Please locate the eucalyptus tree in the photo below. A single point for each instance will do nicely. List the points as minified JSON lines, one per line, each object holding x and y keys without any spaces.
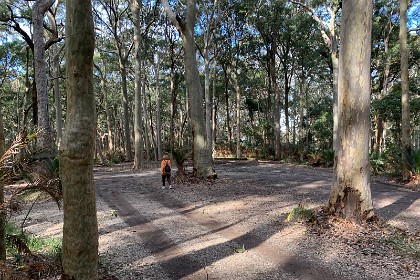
{"x":55,"y":55}
{"x":209,"y":21}
{"x":18,"y":17}
{"x":311,"y":73}
{"x":228,"y":121}
{"x":327,"y":16}
{"x":233,"y":31}
{"x":140,"y":15}
{"x":38,"y":12}
{"x":202,"y":156}
{"x":173,"y":53}
{"x":288,"y":59}
{"x":102,"y":73}
{"x":80,"y":229}
{"x":113,"y":17}
{"x":158,"y":142}
{"x":351,"y":195}
{"x":405,"y":95}
{"x":268,"y":21}
{"x":384,"y":62}
{"x":2,"y":210}
{"x":136,"y":6}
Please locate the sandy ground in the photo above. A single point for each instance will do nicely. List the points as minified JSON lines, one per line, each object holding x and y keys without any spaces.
{"x":234,"y":228}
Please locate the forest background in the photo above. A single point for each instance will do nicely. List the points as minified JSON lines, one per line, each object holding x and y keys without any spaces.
{"x":269,"y":71}
{"x":266,"y":68}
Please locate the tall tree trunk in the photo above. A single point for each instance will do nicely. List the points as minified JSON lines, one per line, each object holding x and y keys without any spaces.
{"x":335,"y":62}
{"x":27,"y":100}
{"x":286,"y":111}
{"x":294,"y":116}
{"x":117,"y":128}
{"x":174,"y":105}
{"x":57,"y":96}
{"x":226,"y":90}
{"x":2,"y":210}
{"x":301,"y":108}
{"x":238,"y":113}
{"x":108,"y":117}
{"x":152,"y":133}
{"x":147,"y":119}
{"x":80,"y":230}
{"x":45,"y":138}
{"x":56,"y":80}
{"x":127,"y":131}
{"x":351,"y":195}
{"x":380,"y":123}
{"x":201,"y":153}
{"x":159,"y":109}
{"x":214,"y":110}
{"x":138,"y":118}
{"x":405,"y":95}
{"x":277,"y":96}
{"x":208,"y":96}
{"x":99,"y":153}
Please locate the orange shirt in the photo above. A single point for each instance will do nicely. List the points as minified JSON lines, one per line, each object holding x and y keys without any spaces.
{"x":163,"y":164}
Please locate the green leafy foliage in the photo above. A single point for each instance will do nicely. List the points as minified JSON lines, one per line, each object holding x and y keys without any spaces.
{"x":390,"y":106}
{"x":415,"y":159}
{"x":180,"y":155}
{"x":377,"y":163}
{"x":387,"y":162}
{"x":20,"y":244}
{"x":300,"y":214}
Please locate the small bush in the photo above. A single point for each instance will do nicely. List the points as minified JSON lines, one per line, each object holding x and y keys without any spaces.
{"x":328,"y":157}
{"x":300,"y":214}
{"x":19,"y":243}
{"x":180,"y":155}
{"x":315,"y":158}
{"x":415,"y":159}
{"x":377,"y":163}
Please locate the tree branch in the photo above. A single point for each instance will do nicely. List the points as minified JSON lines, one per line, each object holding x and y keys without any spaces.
{"x":311,"y":11}
{"x":170,"y":13}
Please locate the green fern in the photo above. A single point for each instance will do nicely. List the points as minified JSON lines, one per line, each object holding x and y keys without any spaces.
{"x":415,"y":158}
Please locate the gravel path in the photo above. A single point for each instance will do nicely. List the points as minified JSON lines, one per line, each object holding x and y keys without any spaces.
{"x":233,"y":228}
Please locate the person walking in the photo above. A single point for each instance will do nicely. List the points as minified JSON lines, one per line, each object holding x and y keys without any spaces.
{"x":165,"y":170}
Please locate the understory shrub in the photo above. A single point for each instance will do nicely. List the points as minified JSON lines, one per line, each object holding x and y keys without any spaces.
{"x":415,"y":159}
{"x":19,"y":243}
{"x":301,"y":214}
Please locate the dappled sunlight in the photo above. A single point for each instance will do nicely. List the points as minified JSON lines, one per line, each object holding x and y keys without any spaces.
{"x":250,"y":203}
{"x":46,"y":229}
{"x":409,"y":217}
{"x":245,"y":264}
{"x":108,"y":219}
{"x":201,"y":243}
{"x":108,"y":241}
{"x":385,"y":201}
{"x":44,"y":219}
{"x":287,"y":239}
{"x":313,"y":185}
{"x":125,"y":174}
{"x":226,"y":207}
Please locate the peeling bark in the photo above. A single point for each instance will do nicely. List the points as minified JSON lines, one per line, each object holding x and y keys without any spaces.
{"x":350,"y":195}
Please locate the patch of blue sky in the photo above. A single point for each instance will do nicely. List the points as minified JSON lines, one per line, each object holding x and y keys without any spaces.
{"x":413,"y":15}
